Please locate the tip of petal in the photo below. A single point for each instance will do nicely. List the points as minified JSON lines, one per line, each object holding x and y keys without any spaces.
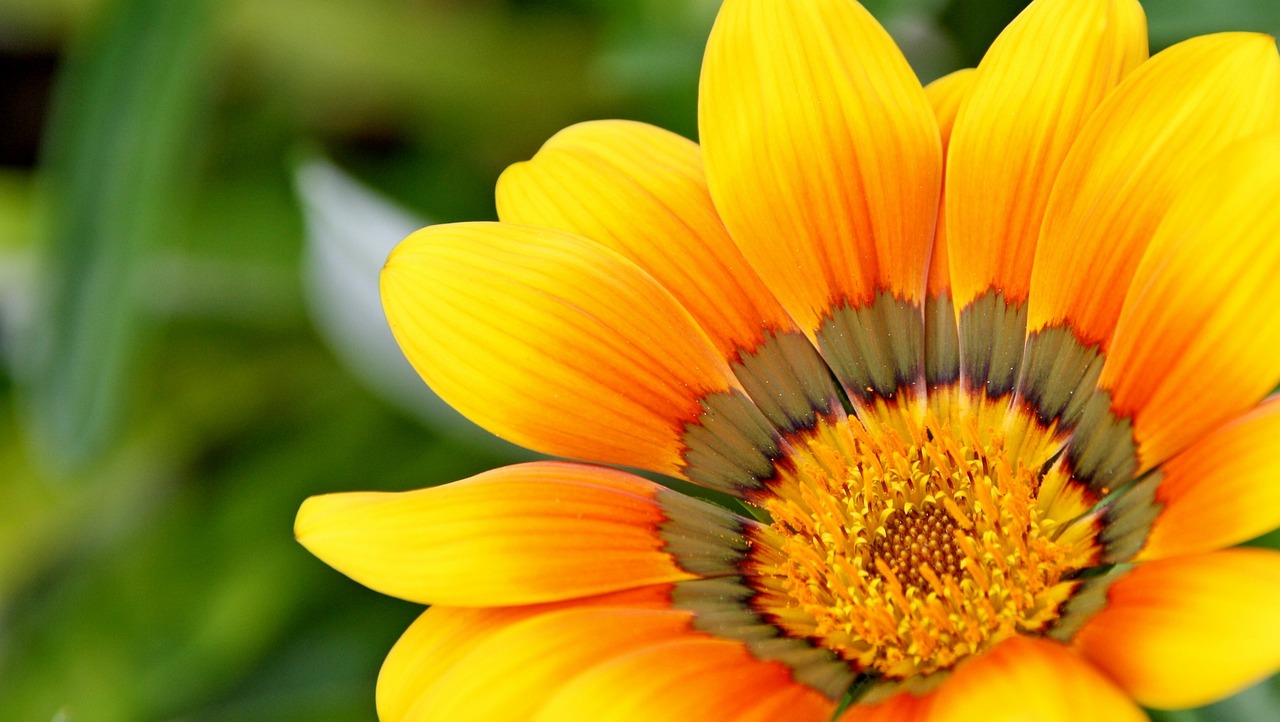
{"x":392,"y":268}
{"x":318,"y":519}
{"x":1250,"y":39}
{"x":1248,"y":48}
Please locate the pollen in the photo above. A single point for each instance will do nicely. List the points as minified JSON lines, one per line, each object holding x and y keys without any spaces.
{"x":905,"y":550}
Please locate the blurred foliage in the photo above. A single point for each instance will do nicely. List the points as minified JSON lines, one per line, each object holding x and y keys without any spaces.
{"x":165,"y":403}
{"x":129,"y":97}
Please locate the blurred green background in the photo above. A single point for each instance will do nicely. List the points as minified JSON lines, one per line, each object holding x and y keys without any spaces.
{"x":190,"y":341}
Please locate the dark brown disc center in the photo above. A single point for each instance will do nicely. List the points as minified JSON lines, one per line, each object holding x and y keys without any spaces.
{"x":925,"y":536}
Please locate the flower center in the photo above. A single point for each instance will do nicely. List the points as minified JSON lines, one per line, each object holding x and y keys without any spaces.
{"x":905,"y":550}
{"x":920,"y":537}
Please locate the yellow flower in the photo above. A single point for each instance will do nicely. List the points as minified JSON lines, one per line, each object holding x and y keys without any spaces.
{"x":983,"y":363}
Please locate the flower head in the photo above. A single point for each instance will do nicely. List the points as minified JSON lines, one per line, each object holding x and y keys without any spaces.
{"x":983,"y":365}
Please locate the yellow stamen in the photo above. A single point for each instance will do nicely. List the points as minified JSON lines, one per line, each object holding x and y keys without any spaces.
{"x":905,"y":550}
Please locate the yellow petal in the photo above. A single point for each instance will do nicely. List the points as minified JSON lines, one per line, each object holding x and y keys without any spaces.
{"x":1024,"y":679}
{"x":941,"y":342}
{"x":1035,"y":88}
{"x":523,"y":534}
{"x":1037,"y":85}
{"x":641,"y":191}
{"x":432,"y":644}
{"x":821,"y":151}
{"x":1222,"y":490}
{"x":690,"y":679}
{"x":945,"y":95}
{"x":513,"y":672}
{"x":1198,"y":340}
{"x":1147,"y":140}
{"x":442,"y":636}
{"x":1184,"y":632}
{"x":551,"y":341}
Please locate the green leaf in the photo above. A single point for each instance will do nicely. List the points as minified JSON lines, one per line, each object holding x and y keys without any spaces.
{"x":118,"y":148}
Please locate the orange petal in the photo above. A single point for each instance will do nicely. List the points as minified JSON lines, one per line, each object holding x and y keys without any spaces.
{"x":641,"y":191}
{"x":529,"y":533}
{"x":430,"y":646}
{"x":821,"y":151}
{"x":1198,"y":340}
{"x":551,"y":341}
{"x":945,"y":95}
{"x":1038,"y":84}
{"x":441,"y":636}
{"x":793,"y":701}
{"x":1222,"y":490}
{"x":513,"y":672}
{"x":941,"y":344}
{"x":1147,"y":141}
{"x":689,"y":679}
{"x":1183,"y":632}
{"x":1024,"y":679}
{"x":902,"y":707}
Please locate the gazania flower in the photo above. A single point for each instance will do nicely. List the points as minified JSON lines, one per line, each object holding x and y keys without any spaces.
{"x":979,"y":368}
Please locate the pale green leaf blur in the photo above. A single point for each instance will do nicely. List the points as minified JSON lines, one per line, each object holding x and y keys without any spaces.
{"x":190,"y":342}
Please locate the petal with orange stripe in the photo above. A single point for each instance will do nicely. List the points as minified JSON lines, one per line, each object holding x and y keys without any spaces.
{"x":1198,"y":339}
{"x":716,"y":679}
{"x":513,"y":672}
{"x":902,"y":707}
{"x":442,"y":636}
{"x":1146,"y":142}
{"x":1039,"y":83}
{"x":1024,"y":678}
{"x":1163,"y":123}
{"x":642,"y":192}
{"x":1183,"y":632}
{"x":785,"y":701}
{"x":557,"y":343}
{"x":941,"y":343}
{"x":1220,"y":491}
{"x":945,"y":96}
{"x":823,"y":159}
{"x":536,"y":532}
{"x":430,"y":646}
